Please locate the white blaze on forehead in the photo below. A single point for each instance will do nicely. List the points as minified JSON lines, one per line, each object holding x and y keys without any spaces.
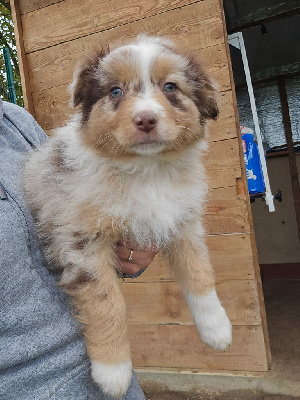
{"x":145,"y":54}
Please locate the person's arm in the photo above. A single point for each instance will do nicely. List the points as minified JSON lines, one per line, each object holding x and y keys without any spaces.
{"x":24,"y":125}
{"x":42,"y":351}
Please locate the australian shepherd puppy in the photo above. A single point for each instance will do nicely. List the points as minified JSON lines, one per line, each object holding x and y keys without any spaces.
{"x":127,"y":168}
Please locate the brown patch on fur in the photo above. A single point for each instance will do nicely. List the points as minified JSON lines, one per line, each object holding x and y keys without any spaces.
{"x":81,"y":279}
{"x":87,"y":90}
{"x":116,"y":128}
{"x":58,"y":160}
{"x":164,"y":66}
{"x":184,"y":128}
{"x":121,"y":69}
{"x":205,"y":93}
{"x":108,"y":228}
{"x":175,"y":101}
{"x":80,"y":245}
{"x":171,"y":67}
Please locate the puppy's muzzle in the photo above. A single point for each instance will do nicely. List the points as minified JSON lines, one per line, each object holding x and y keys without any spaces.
{"x":145,"y":121}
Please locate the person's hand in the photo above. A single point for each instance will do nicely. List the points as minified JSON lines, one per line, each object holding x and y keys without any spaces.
{"x":133,"y":261}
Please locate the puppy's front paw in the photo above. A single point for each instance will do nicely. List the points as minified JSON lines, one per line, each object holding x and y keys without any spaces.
{"x":113,"y":379}
{"x":215,"y":329}
{"x":211,"y":320}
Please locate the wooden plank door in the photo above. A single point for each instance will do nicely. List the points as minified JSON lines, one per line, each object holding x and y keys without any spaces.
{"x":53,"y":35}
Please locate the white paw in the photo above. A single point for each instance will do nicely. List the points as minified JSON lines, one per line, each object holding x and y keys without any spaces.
{"x":113,"y":379}
{"x":216,"y":331}
{"x":211,"y":320}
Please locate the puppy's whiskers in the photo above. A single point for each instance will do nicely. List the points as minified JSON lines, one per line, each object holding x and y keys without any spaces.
{"x":105,"y":140}
{"x":110,"y":137}
{"x":189,"y":129}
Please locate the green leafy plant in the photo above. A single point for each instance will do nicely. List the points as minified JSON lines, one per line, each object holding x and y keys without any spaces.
{"x":7,"y":39}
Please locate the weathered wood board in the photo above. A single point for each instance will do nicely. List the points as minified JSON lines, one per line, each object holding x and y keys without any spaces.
{"x":52,"y":36}
{"x":231,"y":256}
{"x":87,"y":17}
{"x":180,"y":347}
{"x":168,"y":305}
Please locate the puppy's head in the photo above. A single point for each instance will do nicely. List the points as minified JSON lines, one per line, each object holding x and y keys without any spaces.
{"x":142,"y":98}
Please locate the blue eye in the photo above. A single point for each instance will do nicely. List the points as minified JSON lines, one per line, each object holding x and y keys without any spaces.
{"x":170,"y":87}
{"x":116,"y":92}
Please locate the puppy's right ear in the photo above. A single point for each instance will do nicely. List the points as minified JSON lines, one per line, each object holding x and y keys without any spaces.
{"x":86,"y":89}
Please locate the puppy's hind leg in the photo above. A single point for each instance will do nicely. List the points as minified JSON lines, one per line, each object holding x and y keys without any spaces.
{"x":190,"y":260}
{"x":101,"y":310}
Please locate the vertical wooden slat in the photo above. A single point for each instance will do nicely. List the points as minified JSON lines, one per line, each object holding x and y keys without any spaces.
{"x":290,"y":148}
{"x":24,"y":74}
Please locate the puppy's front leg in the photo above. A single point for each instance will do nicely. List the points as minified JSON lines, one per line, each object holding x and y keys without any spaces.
{"x":101,"y":310}
{"x":190,"y":260}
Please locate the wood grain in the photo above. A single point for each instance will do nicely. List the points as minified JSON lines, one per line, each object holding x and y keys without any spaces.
{"x":226,"y":212}
{"x":55,"y":66}
{"x":32,"y":5}
{"x":27,"y":6}
{"x":87,"y":17}
{"x":164,"y":303}
{"x":225,"y":126}
{"x":231,"y":257}
{"x":222,"y":163}
{"x":180,"y":346}
{"x":52,"y":107}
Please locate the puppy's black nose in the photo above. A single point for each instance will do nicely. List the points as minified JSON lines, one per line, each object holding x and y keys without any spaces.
{"x":145,"y":121}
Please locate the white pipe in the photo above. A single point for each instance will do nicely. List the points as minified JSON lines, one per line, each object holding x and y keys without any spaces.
{"x":237,"y":41}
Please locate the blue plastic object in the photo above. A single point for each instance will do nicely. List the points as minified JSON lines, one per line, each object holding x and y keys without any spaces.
{"x":254,"y":172}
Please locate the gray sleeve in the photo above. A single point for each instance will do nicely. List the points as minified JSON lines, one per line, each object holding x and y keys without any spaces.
{"x":23,"y":122}
{"x":42,"y":351}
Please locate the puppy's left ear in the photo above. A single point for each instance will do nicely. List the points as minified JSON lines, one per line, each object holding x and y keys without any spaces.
{"x":205,"y":91}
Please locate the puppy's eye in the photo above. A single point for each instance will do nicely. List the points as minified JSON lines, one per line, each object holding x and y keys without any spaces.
{"x":170,"y":87}
{"x":116,"y":92}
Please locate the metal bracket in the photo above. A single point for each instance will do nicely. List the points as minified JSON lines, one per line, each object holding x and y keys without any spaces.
{"x":236,"y":40}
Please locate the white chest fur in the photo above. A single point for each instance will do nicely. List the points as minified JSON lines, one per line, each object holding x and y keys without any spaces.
{"x":153,"y":198}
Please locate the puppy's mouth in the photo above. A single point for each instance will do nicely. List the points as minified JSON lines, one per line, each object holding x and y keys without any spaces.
{"x":149,"y":142}
{"x":148,"y":146}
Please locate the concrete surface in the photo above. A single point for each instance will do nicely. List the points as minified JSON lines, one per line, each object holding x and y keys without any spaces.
{"x":282,"y":382}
